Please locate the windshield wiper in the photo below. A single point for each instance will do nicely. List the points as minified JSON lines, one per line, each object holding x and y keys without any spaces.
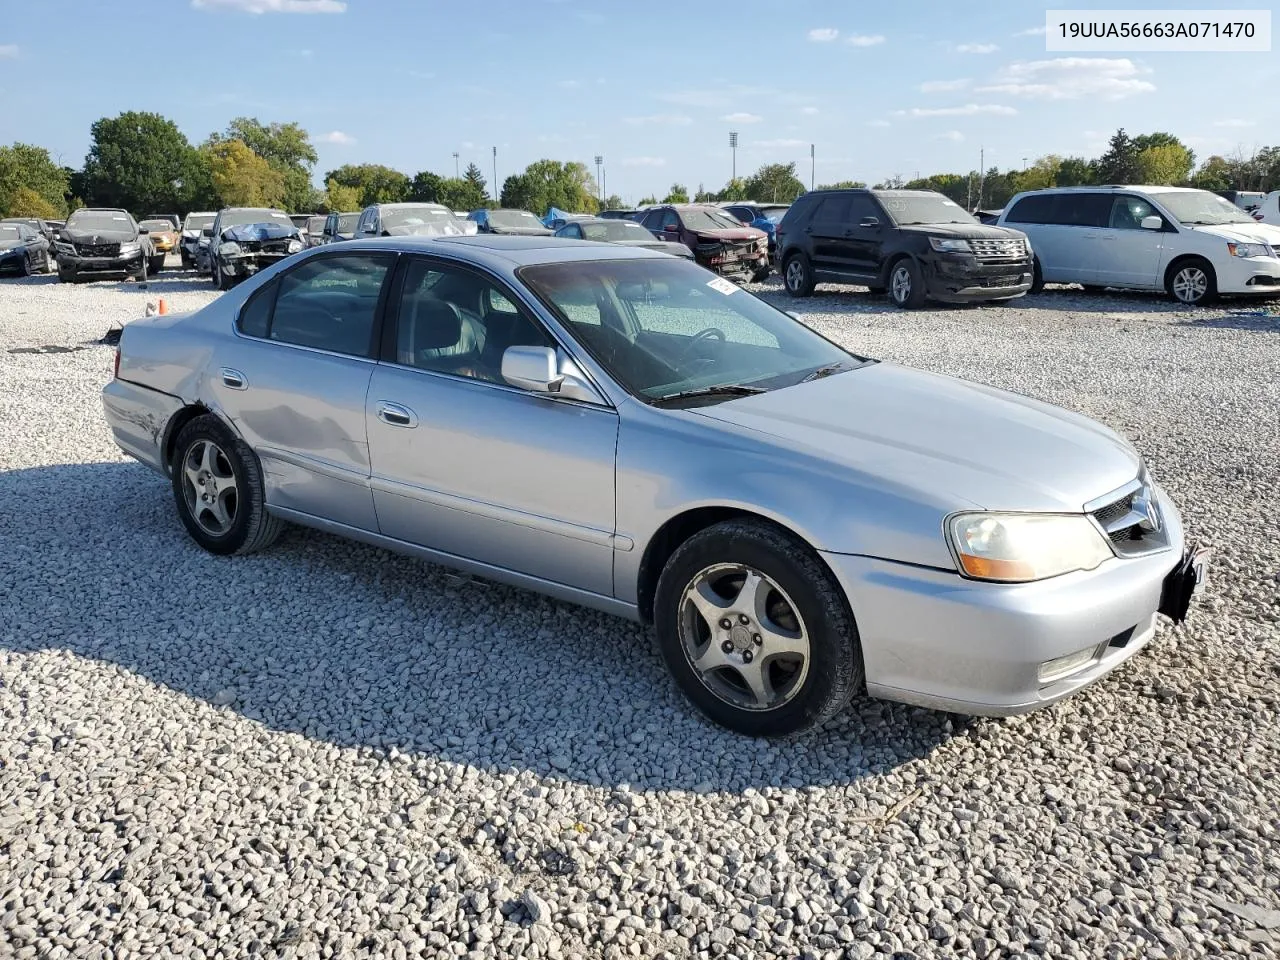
{"x":828,"y":370}
{"x":723,"y":390}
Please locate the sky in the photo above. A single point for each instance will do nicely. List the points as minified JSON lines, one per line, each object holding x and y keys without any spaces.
{"x":653,"y":87}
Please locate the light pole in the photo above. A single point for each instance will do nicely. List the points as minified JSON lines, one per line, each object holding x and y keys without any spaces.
{"x":455,"y":164}
{"x":733,"y":146}
{"x":495,"y":176}
{"x":813,"y":163}
{"x":599,"y":183}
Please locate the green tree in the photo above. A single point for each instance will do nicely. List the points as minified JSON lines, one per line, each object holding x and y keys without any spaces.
{"x":735,"y":189}
{"x":550,"y":183}
{"x":25,"y":202}
{"x":287,"y":147}
{"x":1075,"y":172}
{"x":842,"y":185}
{"x":1120,"y":163}
{"x":703,"y":195}
{"x":425,"y":187}
{"x":648,"y":201}
{"x":1167,"y":164}
{"x":140,"y":161}
{"x":774,"y":182}
{"x":376,"y":183}
{"x":678,"y":193}
{"x":461,"y":194}
{"x":241,"y":178}
{"x":25,"y":167}
{"x":1040,"y":175}
{"x":340,"y":199}
{"x":613,"y":202}
{"x":475,"y":179}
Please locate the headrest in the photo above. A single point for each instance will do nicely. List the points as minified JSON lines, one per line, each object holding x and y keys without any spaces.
{"x":436,"y":324}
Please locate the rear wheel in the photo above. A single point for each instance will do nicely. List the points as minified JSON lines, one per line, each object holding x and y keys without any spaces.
{"x":1037,"y":278}
{"x":156,"y":264}
{"x":906,"y":284}
{"x":756,"y":631}
{"x":797,"y":276}
{"x":1192,"y":281}
{"x":26,"y":268}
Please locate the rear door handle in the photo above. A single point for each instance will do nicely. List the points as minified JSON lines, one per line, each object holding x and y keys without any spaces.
{"x":396,"y":414}
{"x":233,"y":378}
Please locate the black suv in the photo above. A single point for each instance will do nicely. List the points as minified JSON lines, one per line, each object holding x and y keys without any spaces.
{"x":913,"y":244}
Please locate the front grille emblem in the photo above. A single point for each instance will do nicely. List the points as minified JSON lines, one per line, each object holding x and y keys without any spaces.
{"x":1144,"y":505}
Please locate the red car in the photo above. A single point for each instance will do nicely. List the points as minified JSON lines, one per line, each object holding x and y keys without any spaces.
{"x":718,"y":241}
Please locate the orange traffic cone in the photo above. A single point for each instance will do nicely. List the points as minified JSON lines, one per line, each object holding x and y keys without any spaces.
{"x":163,"y":307}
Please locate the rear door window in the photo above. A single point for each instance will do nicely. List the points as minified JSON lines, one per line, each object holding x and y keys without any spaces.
{"x":1036,"y":208}
{"x":832,"y":211}
{"x":1082,"y":209}
{"x":861,"y":207}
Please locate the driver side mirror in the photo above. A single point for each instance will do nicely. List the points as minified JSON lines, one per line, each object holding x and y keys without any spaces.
{"x":869,"y":223}
{"x":1152,"y":223}
{"x":143,"y":231}
{"x":535,"y":369}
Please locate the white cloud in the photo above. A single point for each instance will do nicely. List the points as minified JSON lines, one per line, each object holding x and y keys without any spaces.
{"x":644,"y":162}
{"x":1071,"y":78}
{"x":976,"y":48}
{"x":865,"y":40}
{"x":273,"y":6}
{"x":944,"y":86}
{"x":673,"y":119}
{"x":879,"y":123}
{"x":955,"y":136}
{"x":823,"y":34}
{"x":1234,"y":122}
{"x":337,"y":137}
{"x":741,"y":118}
{"x":1031,"y":32}
{"x":8,"y":51}
{"x":779,"y":144}
{"x":968,"y":110}
{"x":809,"y":111}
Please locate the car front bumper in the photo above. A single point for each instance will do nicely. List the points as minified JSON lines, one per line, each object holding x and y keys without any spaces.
{"x":12,"y":260}
{"x":960,"y":279}
{"x":1249,"y":275}
{"x":938,"y":640}
{"x":246,"y":265}
{"x":104,"y":266}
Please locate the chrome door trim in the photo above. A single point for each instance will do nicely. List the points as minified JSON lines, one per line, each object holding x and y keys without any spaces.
{"x":605,"y":405}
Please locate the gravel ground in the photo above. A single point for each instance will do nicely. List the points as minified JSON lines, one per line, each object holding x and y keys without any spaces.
{"x":328,"y":750}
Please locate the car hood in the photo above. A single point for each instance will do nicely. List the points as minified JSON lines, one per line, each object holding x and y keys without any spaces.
{"x":732,"y":234}
{"x":964,"y":231}
{"x":98,"y":236}
{"x":1244,"y":232}
{"x":662,"y":246}
{"x":958,"y":443}
{"x":258,"y":232}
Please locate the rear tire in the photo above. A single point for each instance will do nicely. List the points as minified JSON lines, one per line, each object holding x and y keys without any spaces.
{"x":25,"y":270}
{"x":1037,"y":278}
{"x":906,"y":284}
{"x":1191,"y":281}
{"x":156,"y":264}
{"x":218,"y":490}
{"x":798,"y":612}
{"x":797,"y":276}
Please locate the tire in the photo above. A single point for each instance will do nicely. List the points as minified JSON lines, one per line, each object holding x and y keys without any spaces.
{"x":1191,"y":281}
{"x":156,"y":264}
{"x":25,"y":270}
{"x":760,"y":276}
{"x":802,"y":690}
{"x":877,"y":291}
{"x":235,"y":520}
{"x":65,"y":275}
{"x":1037,"y":278}
{"x":906,"y":284}
{"x":797,"y":276}
{"x":221,"y":280}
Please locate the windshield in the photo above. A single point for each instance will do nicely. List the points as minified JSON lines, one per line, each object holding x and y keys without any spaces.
{"x":615,"y":231}
{"x":9,"y":232}
{"x":929,"y":208}
{"x":197,"y":221}
{"x":99,"y":220}
{"x":315,"y":224}
{"x":156,"y":226}
{"x":774,"y":213}
{"x":347,"y":222}
{"x":514,"y":218}
{"x":414,"y":216}
{"x":709,"y":220}
{"x":1200,"y":207}
{"x":237,"y":218}
{"x":664,"y":327}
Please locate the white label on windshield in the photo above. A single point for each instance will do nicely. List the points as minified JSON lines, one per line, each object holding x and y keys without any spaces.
{"x":722,"y":285}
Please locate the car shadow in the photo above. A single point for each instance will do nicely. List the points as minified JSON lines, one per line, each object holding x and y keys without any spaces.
{"x":361,"y":647}
{"x":1261,"y":321}
{"x":175,"y":281}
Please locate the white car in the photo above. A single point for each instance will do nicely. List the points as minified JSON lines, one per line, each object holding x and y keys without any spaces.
{"x":1191,"y":243}
{"x":1268,"y":209}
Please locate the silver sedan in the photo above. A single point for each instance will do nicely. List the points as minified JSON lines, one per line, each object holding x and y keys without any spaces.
{"x":622,"y":429}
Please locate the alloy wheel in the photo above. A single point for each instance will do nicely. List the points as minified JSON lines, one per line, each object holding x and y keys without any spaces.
{"x":209,"y":487}
{"x":900,"y":284}
{"x":795,"y":275}
{"x":743,"y":636}
{"x":1190,"y":284}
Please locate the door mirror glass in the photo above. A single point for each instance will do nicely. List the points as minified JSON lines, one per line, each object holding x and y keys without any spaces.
{"x":869,"y":222}
{"x":1152,"y":223}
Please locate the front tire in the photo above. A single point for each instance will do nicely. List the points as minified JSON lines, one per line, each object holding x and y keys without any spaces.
{"x":156,"y":264}
{"x":1192,"y":282}
{"x":755,"y":630}
{"x":218,"y":489}
{"x":65,"y":275}
{"x":797,"y":276}
{"x":1037,"y":277}
{"x":760,"y":276}
{"x":906,"y":284}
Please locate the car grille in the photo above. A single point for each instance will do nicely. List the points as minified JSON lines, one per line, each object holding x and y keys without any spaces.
{"x":998,"y":249}
{"x":98,"y":249}
{"x":1011,"y":280}
{"x":1127,"y":525}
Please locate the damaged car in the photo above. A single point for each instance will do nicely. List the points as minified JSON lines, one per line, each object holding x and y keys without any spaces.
{"x":244,"y":240}
{"x":718,"y":241}
{"x":519,"y":223}
{"x":163,"y":234}
{"x":412,"y":220}
{"x":23,"y":251}
{"x":190,"y":240}
{"x":99,"y":242}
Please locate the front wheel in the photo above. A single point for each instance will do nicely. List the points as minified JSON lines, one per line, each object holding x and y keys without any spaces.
{"x":797,"y":276}
{"x":906,"y":284}
{"x":755,"y":630}
{"x":156,"y":264}
{"x":760,"y":276}
{"x":1192,"y":281}
{"x":65,"y":275}
{"x":218,"y":489}
{"x":1037,"y":278}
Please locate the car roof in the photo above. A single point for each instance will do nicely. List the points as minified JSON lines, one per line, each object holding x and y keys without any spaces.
{"x":410,"y":203}
{"x":497,"y":251}
{"x":1139,"y":187}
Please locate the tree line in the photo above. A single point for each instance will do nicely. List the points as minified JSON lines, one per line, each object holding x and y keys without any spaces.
{"x":144,"y":163}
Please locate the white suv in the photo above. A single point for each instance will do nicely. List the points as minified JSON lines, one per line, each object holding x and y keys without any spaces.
{"x":1191,"y":243}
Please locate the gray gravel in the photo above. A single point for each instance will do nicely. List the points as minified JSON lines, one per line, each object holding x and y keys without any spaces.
{"x":328,"y":750}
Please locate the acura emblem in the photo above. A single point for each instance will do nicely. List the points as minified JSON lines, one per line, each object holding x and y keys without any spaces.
{"x":1144,"y":505}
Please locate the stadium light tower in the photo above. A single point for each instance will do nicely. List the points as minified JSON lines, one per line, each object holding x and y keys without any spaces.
{"x":599,"y":184}
{"x":733,"y":146}
{"x":455,"y":164}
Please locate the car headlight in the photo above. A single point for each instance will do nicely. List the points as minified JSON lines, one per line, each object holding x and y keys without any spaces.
{"x":64,"y":247}
{"x":950,"y":246}
{"x":294,"y":246}
{"x":130,"y":249}
{"x":229,"y":249}
{"x":1019,"y":547}
{"x":1249,"y":250}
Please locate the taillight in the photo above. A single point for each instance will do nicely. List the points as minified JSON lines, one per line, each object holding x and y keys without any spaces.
{"x":115,"y":371}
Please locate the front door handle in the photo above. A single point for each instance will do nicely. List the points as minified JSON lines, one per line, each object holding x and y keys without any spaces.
{"x":396,"y":414}
{"x":233,"y":378}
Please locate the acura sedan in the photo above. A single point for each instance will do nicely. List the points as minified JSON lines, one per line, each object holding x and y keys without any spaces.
{"x":625,"y":430}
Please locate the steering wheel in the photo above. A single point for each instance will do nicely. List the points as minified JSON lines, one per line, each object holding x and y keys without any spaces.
{"x":710,"y":333}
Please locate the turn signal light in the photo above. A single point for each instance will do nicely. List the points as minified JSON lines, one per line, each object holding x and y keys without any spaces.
{"x":115,"y":370}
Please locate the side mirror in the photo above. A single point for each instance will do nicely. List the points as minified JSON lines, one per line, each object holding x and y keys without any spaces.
{"x":535,"y":369}
{"x":869,"y":223}
{"x":206,"y":232}
{"x":143,"y":231}
{"x":1152,"y":223}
